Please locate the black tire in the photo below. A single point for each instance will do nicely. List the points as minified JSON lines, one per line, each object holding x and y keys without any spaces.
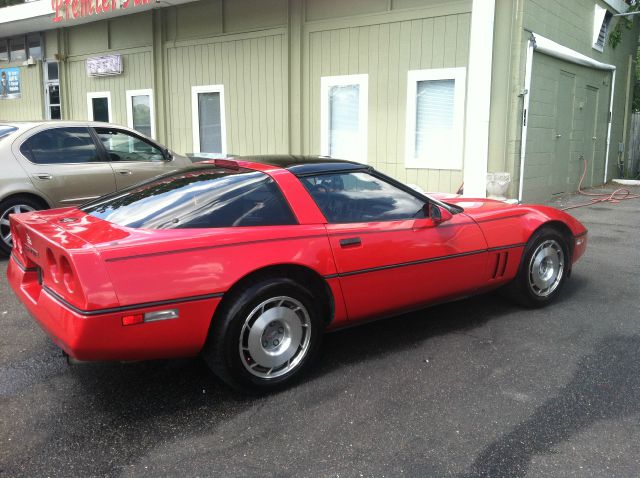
{"x":543,"y":270}
{"x":262,"y":317}
{"x":7,"y":207}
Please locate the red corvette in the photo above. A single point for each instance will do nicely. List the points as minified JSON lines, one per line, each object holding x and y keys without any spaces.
{"x":249,"y":261}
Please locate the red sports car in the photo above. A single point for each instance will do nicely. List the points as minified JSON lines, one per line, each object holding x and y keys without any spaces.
{"x":248,"y":261}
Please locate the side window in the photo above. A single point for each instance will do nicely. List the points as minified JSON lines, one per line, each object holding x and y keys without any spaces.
{"x":256,"y":201}
{"x":435,"y":118}
{"x":99,"y":106}
{"x":60,"y":145}
{"x":140,"y":114}
{"x":123,"y":146}
{"x":343,"y":116}
{"x":205,"y":198}
{"x":208,"y":119}
{"x":361,"y":197}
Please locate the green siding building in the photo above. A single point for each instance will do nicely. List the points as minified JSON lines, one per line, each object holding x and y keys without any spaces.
{"x":435,"y":93}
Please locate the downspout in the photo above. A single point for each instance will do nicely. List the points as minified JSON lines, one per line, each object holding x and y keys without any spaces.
{"x":525,"y":111}
{"x":476,"y":127}
{"x":606,"y":154}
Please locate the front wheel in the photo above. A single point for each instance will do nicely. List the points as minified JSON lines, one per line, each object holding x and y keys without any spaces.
{"x":264,"y":336}
{"x":543,"y":269}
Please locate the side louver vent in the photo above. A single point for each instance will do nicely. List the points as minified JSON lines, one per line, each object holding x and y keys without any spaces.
{"x":499,"y":264}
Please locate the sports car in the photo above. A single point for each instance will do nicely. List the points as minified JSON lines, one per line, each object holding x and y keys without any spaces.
{"x":248,"y":261}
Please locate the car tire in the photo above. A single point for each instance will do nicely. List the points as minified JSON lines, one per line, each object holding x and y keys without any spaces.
{"x":10,"y":206}
{"x":543,"y":269}
{"x":265,"y":336}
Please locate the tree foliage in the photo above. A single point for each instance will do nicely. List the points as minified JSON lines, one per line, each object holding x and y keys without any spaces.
{"x":625,"y":23}
{"x":8,"y":3}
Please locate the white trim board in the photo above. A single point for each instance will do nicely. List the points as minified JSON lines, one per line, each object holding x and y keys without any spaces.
{"x":476,"y":127}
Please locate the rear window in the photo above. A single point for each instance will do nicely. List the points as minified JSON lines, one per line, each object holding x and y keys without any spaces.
{"x":61,"y":146}
{"x":6,"y":130}
{"x":206,"y":197}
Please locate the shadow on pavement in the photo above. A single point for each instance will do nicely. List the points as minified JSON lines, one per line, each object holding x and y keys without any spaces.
{"x":606,"y":386}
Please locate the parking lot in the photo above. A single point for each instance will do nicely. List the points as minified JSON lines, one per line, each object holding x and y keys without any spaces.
{"x":479,"y":387}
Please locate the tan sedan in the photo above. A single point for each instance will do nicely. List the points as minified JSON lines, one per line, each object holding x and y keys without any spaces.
{"x":49,"y":164}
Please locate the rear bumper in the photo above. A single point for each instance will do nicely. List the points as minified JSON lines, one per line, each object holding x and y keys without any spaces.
{"x":97,"y":335}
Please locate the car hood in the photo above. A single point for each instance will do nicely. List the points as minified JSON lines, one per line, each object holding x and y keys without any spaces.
{"x":479,"y":207}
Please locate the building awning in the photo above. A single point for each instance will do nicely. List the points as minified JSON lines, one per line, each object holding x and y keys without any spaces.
{"x":41,"y":15}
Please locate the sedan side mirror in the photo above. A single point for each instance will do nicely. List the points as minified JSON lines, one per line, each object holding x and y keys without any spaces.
{"x":167,"y":154}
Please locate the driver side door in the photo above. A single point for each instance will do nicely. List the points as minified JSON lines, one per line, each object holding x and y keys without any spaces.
{"x":390,"y":255}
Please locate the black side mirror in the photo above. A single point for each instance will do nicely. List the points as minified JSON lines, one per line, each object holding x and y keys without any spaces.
{"x":167,"y":155}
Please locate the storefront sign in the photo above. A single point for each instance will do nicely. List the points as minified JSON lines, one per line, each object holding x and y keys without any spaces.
{"x":72,"y":9}
{"x":104,"y":65}
{"x":9,"y":83}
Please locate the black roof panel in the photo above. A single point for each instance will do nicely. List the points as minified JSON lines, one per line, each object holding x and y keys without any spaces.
{"x":303,"y":165}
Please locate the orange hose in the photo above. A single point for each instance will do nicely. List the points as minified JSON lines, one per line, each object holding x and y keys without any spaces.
{"x":620,"y":194}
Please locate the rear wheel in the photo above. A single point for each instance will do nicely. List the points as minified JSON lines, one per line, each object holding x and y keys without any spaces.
{"x":265,"y":335}
{"x":15,"y":205}
{"x":543,"y":269}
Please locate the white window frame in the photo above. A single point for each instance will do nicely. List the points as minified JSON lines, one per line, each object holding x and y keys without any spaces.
{"x":98,"y":94}
{"x":326,"y":82}
{"x":144,"y":92}
{"x":600,"y":21}
{"x":454,"y":159}
{"x":195,"y":119}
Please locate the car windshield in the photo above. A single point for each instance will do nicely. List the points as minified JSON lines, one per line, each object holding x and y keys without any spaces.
{"x":201,"y":197}
{"x":6,"y":130}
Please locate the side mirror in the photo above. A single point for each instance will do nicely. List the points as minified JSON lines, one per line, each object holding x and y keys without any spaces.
{"x":438,"y":214}
{"x":168,"y":155}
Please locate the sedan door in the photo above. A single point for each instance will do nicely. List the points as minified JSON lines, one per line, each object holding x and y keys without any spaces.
{"x":134,"y":158}
{"x":64,"y":164}
{"x":389,"y":254}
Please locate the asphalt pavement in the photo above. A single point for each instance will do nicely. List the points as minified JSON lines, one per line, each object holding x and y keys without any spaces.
{"x":479,"y":387}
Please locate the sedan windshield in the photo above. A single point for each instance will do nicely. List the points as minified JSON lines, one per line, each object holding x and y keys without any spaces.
{"x":200,"y":197}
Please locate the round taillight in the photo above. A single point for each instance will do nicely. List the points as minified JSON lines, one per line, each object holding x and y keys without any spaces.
{"x":53,"y":266}
{"x":68,"y":279}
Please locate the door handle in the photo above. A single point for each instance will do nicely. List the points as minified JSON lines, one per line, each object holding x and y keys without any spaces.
{"x":558,"y":136}
{"x":43,"y":176}
{"x":350,"y":242}
{"x":124,"y":172}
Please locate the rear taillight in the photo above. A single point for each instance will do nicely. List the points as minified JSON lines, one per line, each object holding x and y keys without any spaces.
{"x":68,"y":277}
{"x":52,"y":265}
{"x":61,"y":272}
{"x":17,"y":243}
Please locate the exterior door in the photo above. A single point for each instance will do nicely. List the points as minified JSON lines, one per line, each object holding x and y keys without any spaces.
{"x":52,"y":90}
{"x":65,"y":165}
{"x":389,"y":256}
{"x":133,"y":158}
{"x":387,"y":266}
{"x":565,"y":95}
